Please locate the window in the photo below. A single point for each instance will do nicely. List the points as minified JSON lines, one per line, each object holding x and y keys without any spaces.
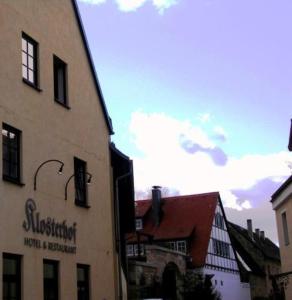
{"x":171,"y":245}
{"x":50,"y":280}
{"x":139,"y":224}
{"x":11,"y":153}
{"x":136,"y":249}
{"x":83,"y":282}
{"x":221,"y":248}
{"x":29,"y":60}
{"x":130,"y":250}
{"x":80,"y":182}
{"x":181,"y":246}
{"x":219,"y":221}
{"x":11,"y":277}
{"x":285,"y":228}
{"x":60,"y":81}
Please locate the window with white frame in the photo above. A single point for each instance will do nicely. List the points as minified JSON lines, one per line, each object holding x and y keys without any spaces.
{"x":181,"y":246}
{"x":139,"y":224}
{"x":136,"y":249}
{"x":171,"y":245}
{"x":29,"y":60}
{"x":130,"y":250}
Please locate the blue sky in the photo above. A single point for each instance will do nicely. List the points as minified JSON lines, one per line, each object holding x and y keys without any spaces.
{"x":200,"y":89}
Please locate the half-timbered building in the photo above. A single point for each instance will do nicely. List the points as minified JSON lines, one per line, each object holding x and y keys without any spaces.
{"x":195,"y":226}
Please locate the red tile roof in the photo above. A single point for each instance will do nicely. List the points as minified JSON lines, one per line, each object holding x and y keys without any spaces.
{"x":183,"y":217}
{"x":141,"y":207}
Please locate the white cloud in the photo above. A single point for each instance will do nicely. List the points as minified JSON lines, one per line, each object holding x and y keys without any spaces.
{"x":161,"y":5}
{"x":163,"y":161}
{"x":130,"y":5}
{"x":133,"y":5}
{"x":93,"y":2}
{"x":220,"y":133}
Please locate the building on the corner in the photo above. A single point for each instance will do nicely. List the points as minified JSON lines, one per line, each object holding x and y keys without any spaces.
{"x":57,"y":232}
{"x":259,"y":259}
{"x":194,"y":226}
{"x":282,"y":205}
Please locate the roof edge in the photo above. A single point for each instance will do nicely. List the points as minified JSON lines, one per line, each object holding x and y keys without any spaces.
{"x":184,"y":196}
{"x":92,"y":68}
{"x":281,"y":188}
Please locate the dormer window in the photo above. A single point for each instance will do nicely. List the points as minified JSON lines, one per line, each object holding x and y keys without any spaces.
{"x":139,"y":224}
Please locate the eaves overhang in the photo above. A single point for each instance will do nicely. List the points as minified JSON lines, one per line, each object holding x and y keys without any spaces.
{"x":282,"y":193}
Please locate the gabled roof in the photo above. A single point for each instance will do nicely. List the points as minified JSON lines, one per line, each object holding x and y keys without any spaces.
{"x":183,"y":217}
{"x":92,"y":68}
{"x":142,"y":207}
{"x":254,"y":251}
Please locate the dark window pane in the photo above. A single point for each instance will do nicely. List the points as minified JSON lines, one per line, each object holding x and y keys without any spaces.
{"x":11,"y":288}
{"x":11,"y":152}
{"x":83,"y":282}
{"x":80,"y":181}
{"x":60,"y":81}
{"x":50,"y":280}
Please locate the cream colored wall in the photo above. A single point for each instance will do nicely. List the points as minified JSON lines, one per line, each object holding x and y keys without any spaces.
{"x":285,"y":250}
{"x":50,"y":131}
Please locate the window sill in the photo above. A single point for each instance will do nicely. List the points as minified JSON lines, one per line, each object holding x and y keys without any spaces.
{"x":80,"y":204}
{"x":62,"y":104}
{"x":32,"y":85}
{"x":12,"y":180}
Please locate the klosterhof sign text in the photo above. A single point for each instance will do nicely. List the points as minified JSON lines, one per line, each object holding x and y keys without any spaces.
{"x":50,"y":228}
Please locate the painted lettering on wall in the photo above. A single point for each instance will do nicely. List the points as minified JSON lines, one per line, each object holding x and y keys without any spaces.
{"x":38,"y":244}
{"x":48,"y":227}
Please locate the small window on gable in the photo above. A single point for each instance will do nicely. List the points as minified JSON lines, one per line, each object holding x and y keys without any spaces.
{"x":29,"y":49}
{"x":139,"y":224}
{"x":60,"y":81}
{"x":219,"y":221}
{"x":285,"y":228}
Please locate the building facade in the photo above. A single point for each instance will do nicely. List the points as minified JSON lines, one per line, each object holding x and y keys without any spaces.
{"x":282,"y":205}
{"x":194,"y":226}
{"x":259,"y":260}
{"x":57,"y":232}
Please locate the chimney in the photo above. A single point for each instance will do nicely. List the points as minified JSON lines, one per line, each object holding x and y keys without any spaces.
{"x":262,"y":235}
{"x":257,"y":231}
{"x":290,"y":138}
{"x":156,"y":204}
{"x":249,"y":228}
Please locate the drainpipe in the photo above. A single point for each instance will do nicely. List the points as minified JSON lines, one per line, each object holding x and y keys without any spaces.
{"x":118,"y":233}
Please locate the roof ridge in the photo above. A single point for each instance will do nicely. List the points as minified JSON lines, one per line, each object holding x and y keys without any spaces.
{"x":183,"y":196}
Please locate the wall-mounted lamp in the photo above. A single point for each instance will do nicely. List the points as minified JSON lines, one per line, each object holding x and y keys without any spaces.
{"x":88,"y":181}
{"x":47,"y":161}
